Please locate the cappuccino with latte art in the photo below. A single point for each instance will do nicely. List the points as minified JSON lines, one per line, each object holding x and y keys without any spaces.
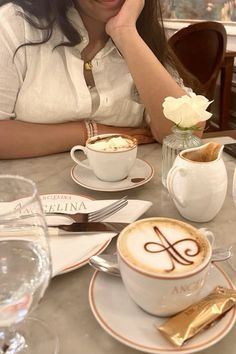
{"x":163,"y":247}
{"x":163,"y":264}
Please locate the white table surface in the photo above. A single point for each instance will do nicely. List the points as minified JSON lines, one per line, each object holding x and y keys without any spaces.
{"x":65,"y":306}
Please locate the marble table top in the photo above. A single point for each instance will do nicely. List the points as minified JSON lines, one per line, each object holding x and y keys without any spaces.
{"x":65,"y":306}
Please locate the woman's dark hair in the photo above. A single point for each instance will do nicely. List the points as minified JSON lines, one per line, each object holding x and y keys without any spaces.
{"x":44,"y":14}
{"x":151,"y":29}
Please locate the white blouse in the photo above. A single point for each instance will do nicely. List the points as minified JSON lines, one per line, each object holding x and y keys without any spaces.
{"x":44,"y":84}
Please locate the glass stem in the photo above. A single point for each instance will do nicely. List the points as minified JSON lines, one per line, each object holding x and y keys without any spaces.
{"x":11,"y":342}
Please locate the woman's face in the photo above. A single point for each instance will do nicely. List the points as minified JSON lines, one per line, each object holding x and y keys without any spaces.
{"x":99,"y":10}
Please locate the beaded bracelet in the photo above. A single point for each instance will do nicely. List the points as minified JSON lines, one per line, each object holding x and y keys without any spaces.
{"x":92,"y":128}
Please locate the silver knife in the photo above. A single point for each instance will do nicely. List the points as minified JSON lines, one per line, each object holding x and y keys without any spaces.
{"x":81,"y":227}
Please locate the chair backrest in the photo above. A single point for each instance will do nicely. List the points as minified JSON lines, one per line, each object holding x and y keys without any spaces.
{"x":201,"y":48}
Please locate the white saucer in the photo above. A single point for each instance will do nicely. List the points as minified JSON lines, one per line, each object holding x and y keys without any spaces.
{"x":125,"y":321}
{"x":142,"y":171}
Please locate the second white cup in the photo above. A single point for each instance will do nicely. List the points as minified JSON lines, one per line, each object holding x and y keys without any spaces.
{"x":110,"y":156}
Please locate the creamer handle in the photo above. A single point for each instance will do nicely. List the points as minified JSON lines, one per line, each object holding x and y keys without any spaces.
{"x":170,"y":177}
{"x":72,"y":154}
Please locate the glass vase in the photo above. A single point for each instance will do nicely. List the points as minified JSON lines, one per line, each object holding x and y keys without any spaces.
{"x":173,"y":144}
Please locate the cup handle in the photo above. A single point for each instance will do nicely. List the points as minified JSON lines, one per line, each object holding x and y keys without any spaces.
{"x":209,"y":235}
{"x":79,"y":162}
{"x":169,"y":182}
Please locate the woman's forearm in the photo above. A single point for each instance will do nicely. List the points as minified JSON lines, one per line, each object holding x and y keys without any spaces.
{"x":20,"y":139}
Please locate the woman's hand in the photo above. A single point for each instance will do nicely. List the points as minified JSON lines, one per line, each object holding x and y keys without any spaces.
{"x":143,"y":135}
{"x":126,"y":18}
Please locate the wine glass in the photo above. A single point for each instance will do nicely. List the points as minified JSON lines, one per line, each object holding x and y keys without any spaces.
{"x":25,"y":268}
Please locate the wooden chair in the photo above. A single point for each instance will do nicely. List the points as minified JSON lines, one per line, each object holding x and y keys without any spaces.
{"x":201,"y":49}
{"x":227,"y":69}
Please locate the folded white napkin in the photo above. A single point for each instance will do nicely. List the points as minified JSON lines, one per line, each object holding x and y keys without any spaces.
{"x":71,"y":252}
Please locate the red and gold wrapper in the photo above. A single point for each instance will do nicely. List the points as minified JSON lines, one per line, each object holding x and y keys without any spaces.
{"x":198,"y":316}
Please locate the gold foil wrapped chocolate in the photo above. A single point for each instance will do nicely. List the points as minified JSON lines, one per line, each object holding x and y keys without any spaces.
{"x":198,"y":316}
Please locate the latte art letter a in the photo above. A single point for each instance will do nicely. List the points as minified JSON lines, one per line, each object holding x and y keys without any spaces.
{"x":173,"y":254}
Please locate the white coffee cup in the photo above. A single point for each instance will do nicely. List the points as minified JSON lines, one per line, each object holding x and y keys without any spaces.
{"x":163,"y":264}
{"x":110,"y":156}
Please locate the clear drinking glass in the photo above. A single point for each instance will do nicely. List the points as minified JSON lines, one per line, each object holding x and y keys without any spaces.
{"x":25,"y":268}
{"x":232,"y":259}
{"x":173,"y":144}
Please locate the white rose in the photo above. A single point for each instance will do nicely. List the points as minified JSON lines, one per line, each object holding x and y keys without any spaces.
{"x":186,"y":111}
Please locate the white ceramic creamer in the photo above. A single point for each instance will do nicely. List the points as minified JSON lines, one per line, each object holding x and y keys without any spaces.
{"x":197,"y":182}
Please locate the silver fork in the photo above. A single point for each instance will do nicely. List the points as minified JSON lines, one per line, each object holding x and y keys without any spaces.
{"x":97,"y":215}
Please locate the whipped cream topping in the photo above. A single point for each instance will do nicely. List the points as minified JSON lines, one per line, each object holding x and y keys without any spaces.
{"x":113,"y":144}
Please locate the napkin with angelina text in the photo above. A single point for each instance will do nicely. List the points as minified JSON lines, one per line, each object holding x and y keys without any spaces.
{"x":71,"y":252}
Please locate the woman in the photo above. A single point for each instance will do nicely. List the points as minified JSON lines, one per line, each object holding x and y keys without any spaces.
{"x":70,"y":69}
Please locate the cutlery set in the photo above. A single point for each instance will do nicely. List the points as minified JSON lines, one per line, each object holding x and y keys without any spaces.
{"x":89,"y":222}
{"x":81,"y":227}
{"x":97,"y":215}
